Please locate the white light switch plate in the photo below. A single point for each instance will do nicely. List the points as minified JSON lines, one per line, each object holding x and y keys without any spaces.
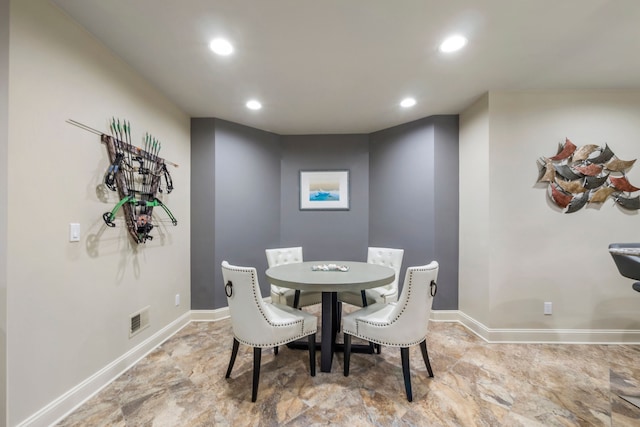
{"x":74,"y":232}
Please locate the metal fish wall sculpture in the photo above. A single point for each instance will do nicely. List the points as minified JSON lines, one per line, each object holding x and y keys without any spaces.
{"x":588,"y":174}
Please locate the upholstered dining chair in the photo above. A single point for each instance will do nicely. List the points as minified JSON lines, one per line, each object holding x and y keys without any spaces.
{"x":261,"y":325}
{"x":388,"y":257}
{"x":400,"y":324}
{"x":294,"y":298}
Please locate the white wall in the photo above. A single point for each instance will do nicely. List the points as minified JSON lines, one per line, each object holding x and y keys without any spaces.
{"x":4,"y":134}
{"x":474,"y":240}
{"x":534,"y":252}
{"x":69,"y":303}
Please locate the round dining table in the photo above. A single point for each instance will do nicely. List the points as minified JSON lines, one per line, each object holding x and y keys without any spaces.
{"x":330,"y":277}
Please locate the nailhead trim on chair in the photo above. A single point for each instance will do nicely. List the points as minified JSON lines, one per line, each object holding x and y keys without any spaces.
{"x":271,"y":344}
{"x":404,"y":307}
{"x":255,"y":296}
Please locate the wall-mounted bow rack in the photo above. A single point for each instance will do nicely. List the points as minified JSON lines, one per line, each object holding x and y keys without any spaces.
{"x":138,"y":175}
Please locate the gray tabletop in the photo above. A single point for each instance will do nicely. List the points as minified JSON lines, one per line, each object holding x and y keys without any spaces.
{"x":360,"y":275}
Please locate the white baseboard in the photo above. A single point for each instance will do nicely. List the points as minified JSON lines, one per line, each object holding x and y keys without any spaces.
{"x":210,"y":315}
{"x":72,"y":399}
{"x":69,"y":401}
{"x":539,"y":336}
{"x":445,"y":315}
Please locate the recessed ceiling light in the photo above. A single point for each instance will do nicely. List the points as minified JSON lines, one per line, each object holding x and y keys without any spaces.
{"x":407,"y":102}
{"x":254,"y":105}
{"x":221,"y":47}
{"x":453,"y":43}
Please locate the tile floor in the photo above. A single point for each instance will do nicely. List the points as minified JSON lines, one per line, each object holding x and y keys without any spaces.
{"x":182,"y":383}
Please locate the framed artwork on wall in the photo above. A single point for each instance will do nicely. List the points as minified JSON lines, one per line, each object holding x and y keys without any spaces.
{"x":324,"y":190}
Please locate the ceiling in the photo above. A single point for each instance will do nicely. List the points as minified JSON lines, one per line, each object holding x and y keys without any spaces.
{"x":342,"y":66}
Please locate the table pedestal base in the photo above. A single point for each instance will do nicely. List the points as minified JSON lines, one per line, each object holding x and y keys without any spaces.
{"x":329,"y":331}
{"x":337,"y":347}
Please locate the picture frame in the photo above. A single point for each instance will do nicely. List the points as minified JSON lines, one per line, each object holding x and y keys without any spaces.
{"x":324,"y":190}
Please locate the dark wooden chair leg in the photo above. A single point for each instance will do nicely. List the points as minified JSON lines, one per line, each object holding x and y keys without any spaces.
{"x":363,"y":294}
{"x":234,"y":353}
{"x":425,"y":356}
{"x":406,"y":372}
{"x":312,"y":354}
{"x":257,"y":354}
{"x":275,"y":350}
{"x":347,"y":353}
{"x":296,"y":299}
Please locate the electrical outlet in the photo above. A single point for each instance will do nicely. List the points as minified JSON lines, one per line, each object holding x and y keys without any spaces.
{"x":177,"y":300}
{"x":548,"y":308}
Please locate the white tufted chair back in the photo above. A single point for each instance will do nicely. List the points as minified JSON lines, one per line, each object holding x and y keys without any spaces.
{"x":281,"y":256}
{"x":400,"y":324}
{"x":259,"y":324}
{"x":286,"y":296}
{"x":413,"y":309}
{"x":254,"y":322}
{"x":388,"y":257}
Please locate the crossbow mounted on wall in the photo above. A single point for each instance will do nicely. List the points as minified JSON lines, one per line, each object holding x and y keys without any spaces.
{"x":138,"y":174}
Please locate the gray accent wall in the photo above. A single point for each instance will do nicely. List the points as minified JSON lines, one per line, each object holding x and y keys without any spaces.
{"x":203,"y":180}
{"x":446,"y":220}
{"x":414,"y":197}
{"x":245,"y":198}
{"x":242,"y":171}
{"x":325,"y":235}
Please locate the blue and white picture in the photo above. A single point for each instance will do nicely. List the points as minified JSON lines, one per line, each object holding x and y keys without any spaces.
{"x":324,"y":191}
{"x":320,"y":190}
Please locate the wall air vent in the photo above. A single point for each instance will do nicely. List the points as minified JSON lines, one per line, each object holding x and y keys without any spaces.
{"x":138,"y":322}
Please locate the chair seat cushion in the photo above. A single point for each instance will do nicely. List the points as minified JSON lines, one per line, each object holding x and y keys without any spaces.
{"x":375,"y":323}
{"x":375,"y":313}
{"x":375,"y":295}
{"x":283,"y":315}
{"x":285,"y":324}
{"x":286,"y":296}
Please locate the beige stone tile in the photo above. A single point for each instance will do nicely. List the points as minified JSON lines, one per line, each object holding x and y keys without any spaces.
{"x":182,"y":383}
